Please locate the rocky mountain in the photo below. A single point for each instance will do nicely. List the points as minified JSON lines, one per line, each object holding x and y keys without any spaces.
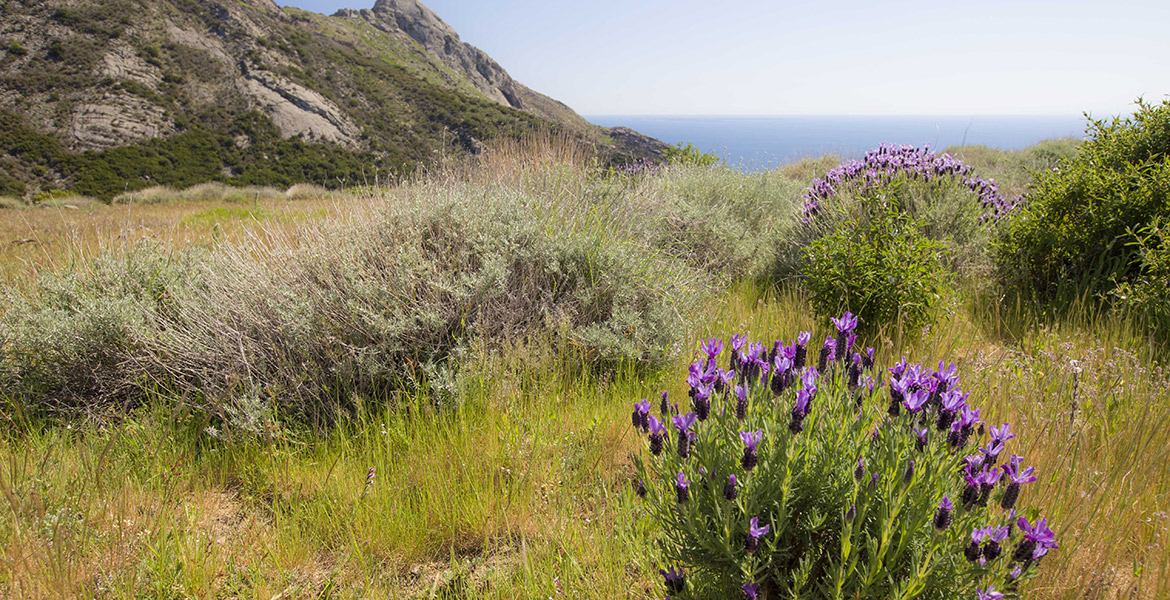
{"x":103,"y":96}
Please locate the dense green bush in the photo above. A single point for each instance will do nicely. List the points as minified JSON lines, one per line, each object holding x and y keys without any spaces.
{"x":878,"y":264}
{"x":1074,"y":235}
{"x":688,"y":154}
{"x":1148,"y":294}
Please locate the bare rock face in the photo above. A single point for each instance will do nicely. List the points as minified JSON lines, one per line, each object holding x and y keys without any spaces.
{"x":297,"y":110}
{"x":441,"y":41}
{"x":114,"y":120}
{"x":122,"y":63}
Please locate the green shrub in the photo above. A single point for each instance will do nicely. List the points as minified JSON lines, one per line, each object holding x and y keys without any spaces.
{"x":818,"y":482}
{"x":688,"y":154}
{"x":1148,"y":294}
{"x":1073,"y":235}
{"x":879,"y":265}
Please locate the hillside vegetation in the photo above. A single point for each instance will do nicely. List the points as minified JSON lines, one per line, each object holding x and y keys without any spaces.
{"x":102,"y":98}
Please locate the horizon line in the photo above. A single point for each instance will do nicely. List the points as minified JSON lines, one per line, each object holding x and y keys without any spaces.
{"x":776,"y":115}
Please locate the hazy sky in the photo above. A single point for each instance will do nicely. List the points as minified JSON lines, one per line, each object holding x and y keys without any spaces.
{"x":775,"y":57}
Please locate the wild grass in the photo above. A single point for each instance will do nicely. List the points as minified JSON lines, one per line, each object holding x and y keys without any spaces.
{"x":65,"y":235}
{"x":508,"y":477}
{"x":524,"y":485}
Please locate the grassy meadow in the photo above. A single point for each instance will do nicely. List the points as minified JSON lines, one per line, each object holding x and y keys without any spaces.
{"x":424,"y":391}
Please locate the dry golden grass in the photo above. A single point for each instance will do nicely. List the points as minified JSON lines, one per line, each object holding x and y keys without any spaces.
{"x":45,"y":239}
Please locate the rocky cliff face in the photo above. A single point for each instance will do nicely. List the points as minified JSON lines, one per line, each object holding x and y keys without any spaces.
{"x":394,"y":82}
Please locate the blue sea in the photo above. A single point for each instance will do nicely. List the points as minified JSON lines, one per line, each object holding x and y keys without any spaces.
{"x":762,"y":142}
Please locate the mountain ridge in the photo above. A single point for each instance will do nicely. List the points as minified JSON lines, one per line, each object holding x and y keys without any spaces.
{"x":105,"y":96}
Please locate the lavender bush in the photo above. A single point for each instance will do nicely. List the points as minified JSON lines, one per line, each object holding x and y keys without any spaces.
{"x":887,"y":163}
{"x":803,"y":471}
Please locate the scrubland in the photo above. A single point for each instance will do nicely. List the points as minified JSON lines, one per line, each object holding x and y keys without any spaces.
{"x":424,"y":391}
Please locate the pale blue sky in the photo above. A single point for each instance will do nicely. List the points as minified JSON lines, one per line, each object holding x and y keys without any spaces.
{"x":790,"y":57}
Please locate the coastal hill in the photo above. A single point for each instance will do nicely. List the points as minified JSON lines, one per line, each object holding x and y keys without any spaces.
{"x":104,"y":96}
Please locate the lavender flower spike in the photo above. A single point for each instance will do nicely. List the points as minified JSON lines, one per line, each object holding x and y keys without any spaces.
{"x":751,"y":591}
{"x":711,"y":347}
{"x":1002,"y":433}
{"x":1038,"y":540}
{"x":741,"y":402}
{"x":750,"y":440}
{"x":675,"y":580}
{"x":731,"y":490}
{"x":801,"y":354}
{"x":990,"y":594}
{"x":681,"y":486}
{"x":683,"y":423}
{"x":755,"y":532}
{"x":846,"y":323}
{"x":657,"y":436}
{"x":942,"y":518}
{"x":916,"y":400}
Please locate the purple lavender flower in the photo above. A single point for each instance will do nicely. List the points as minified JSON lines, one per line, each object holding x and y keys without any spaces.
{"x":987,"y":480}
{"x":723,"y":382}
{"x":973,"y":551}
{"x":751,"y":591}
{"x":731,"y":490}
{"x":942,"y":518}
{"x":899,"y":387}
{"x":781,"y":374}
{"x":755,"y":532}
{"x":808,"y":379}
{"x":915,"y":400}
{"x":990,"y":594}
{"x":991,"y":453}
{"x":855,"y":369}
{"x":801,"y":355}
{"x":1002,"y":434}
{"x":963,"y":427}
{"x":681,"y":486}
{"x":701,"y":401}
{"x":682,"y":424}
{"x":664,"y":406}
{"x":737,"y":342}
{"x":741,"y":402}
{"x":859,"y":471}
{"x":887,"y":163}
{"x":675,"y":580}
{"x":1016,"y":477}
{"x":951,"y":403}
{"x":799,"y":411}
{"x":845,"y":325}
{"x":909,"y":476}
{"x":657,"y":436}
{"x":898,"y":369}
{"x":920,"y":441}
{"x":867,"y":360}
{"x":639,"y":488}
{"x":641,"y":415}
{"x":971,"y":490}
{"x":828,"y":354}
{"x":1038,"y":540}
{"x":711,"y":347}
{"x":750,"y":440}
{"x":995,"y":538}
